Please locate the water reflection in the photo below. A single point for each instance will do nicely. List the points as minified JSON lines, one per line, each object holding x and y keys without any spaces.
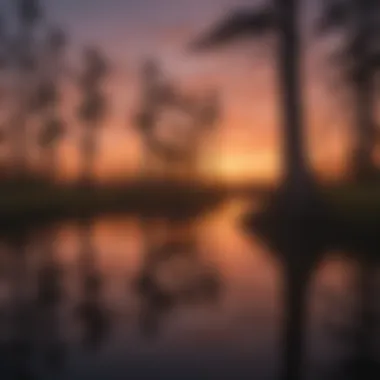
{"x":172,"y":274}
{"x":301,"y":248}
{"x":219,"y":303}
{"x":362,"y":341}
{"x":32,"y":344}
{"x":49,"y":297}
{"x":20,"y":341}
{"x":91,"y":311}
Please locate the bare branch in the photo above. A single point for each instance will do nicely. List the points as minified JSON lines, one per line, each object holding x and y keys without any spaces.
{"x":245,"y":23}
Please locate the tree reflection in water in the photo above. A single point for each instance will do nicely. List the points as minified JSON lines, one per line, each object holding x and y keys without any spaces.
{"x":176,"y":274}
{"x":173,"y":274}
{"x":91,"y":311}
{"x":20,"y":347}
{"x":300,"y":249}
{"x":362,"y":336}
{"x":49,"y":298}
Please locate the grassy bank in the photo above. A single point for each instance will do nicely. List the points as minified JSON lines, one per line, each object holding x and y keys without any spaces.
{"x":32,"y":203}
{"x":37,"y":202}
{"x":359,"y":203}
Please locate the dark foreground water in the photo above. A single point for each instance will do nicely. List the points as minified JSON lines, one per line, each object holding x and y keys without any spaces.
{"x":129,"y":298}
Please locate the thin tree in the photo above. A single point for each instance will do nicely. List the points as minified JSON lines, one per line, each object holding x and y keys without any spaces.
{"x":34,"y":91}
{"x":206,"y":112}
{"x":156,"y":93}
{"x":29,"y":14}
{"x":93,"y":107}
{"x":47,"y":98}
{"x":186,"y":119}
{"x":144,"y":119}
{"x":359,"y":60}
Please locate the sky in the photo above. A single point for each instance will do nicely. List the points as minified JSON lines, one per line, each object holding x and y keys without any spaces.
{"x":246,"y":144}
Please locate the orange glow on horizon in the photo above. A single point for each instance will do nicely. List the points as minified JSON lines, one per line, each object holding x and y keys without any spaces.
{"x":245,"y":147}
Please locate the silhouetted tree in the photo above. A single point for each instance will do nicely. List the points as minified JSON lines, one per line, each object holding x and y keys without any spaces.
{"x":93,"y":108}
{"x":29,"y":14}
{"x":171,"y":123}
{"x":359,"y":59}
{"x":35,"y":64}
{"x":47,"y":97}
{"x":283,"y":19}
{"x":204,"y":111}
{"x":153,"y":92}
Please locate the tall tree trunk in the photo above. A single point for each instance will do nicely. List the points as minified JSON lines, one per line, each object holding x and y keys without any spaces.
{"x":364,"y":91}
{"x":363,"y":162}
{"x":295,"y":165}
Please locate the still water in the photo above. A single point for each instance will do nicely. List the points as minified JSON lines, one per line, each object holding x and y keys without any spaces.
{"x":127,"y":297}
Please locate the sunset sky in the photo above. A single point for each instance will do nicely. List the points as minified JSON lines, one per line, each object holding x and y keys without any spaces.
{"x":246,"y":143}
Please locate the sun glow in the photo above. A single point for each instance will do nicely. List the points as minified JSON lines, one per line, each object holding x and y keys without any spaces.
{"x":260,"y":166}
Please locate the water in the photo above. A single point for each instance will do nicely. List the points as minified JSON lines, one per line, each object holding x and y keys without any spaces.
{"x":121,"y":298}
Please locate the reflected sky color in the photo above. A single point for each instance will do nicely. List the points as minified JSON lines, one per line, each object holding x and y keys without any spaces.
{"x":237,"y":333}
